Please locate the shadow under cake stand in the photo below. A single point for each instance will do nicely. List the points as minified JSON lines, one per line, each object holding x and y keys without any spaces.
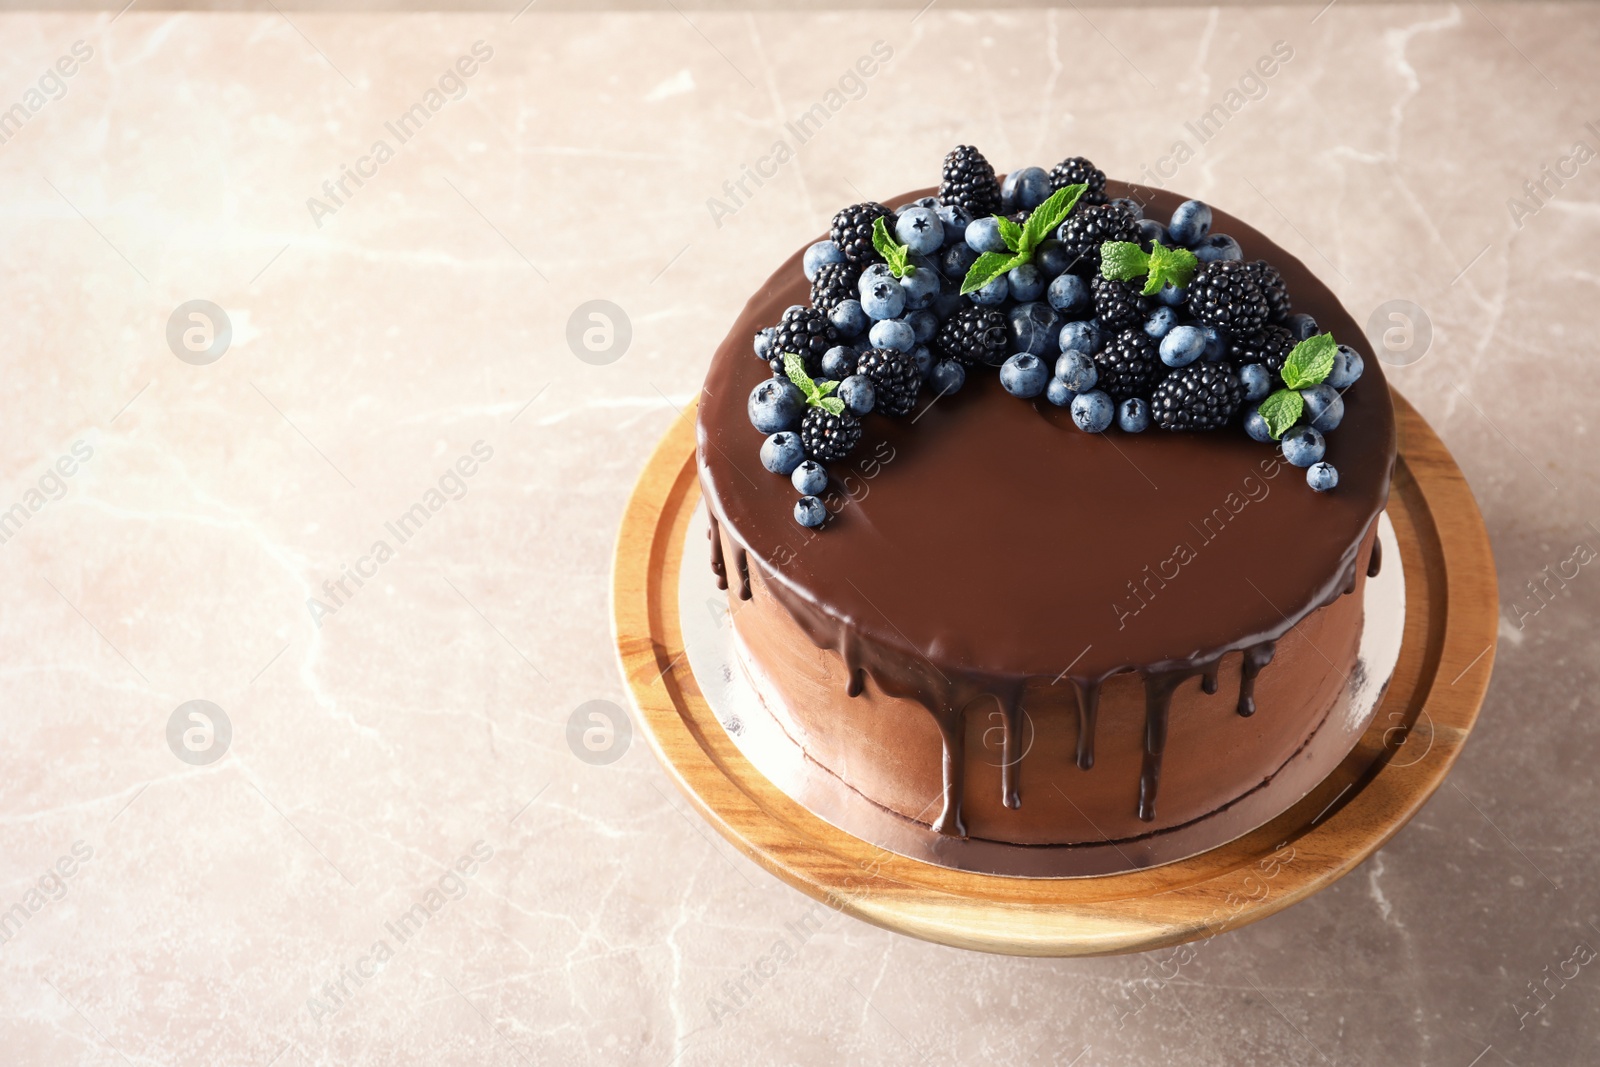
{"x":1416,"y":732}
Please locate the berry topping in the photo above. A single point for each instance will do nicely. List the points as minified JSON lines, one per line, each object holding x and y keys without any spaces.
{"x":1201,"y":396}
{"x":1090,"y":227}
{"x":895,"y":380}
{"x":827,"y":437}
{"x":805,"y":332}
{"x":1075,"y":170}
{"x":1128,"y":365}
{"x":852,"y":230}
{"x":973,"y":335}
{"x":969,"y":182}
{"x":834,"y":283}
{"x":1224,"y":294}
{"x":1118,"y":304}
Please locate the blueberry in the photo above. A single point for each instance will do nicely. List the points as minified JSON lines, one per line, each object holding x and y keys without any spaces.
{"x":1026,"y":283}
{"x":919,"y":230}
{"x":1303,"y":445}
{"x":775,"y":405}
{"x":1092,"y":411}
{"x":810,"y":478}
{"x":923,"y":323}
{"x":1130,"y":205}
{"x":1183,"y":345}
{"x":1324,"y":407}
{"x":1059,"y":393}
{"x":1190,"y":223}
{"x":818,"y":254}
{"x":1068,"y":293}
{"x":1152,"y":232}
{"x":1172,"y":296}
{"x":1218,"y":246}
{"x":1161,"y":322}
{"x":808,"y":511}
{"x":1051,"y":257}
{"x":923,"y":358}
{"x":1133,"y":415}
{"x":929,"y":202}
{"x":955,"y":220}
{"x":848,"y":318}
{"x":763,"y":342}
{"x":947,"y":376}
{"x":1347,"y":368}
{"x":883,"y":300}
{"x":955,"y":261}
{"x":1322,"y":476}
{"x":1255,"y":424}
{"x":1302,"y":326}
{"x":1077,"y":371}
{"x":921,"y":286}
{"x":1216,"y":344}
{"x":1025,"y":189}
{"x":857,"y":393}
{"x":782,"y":452}
{"x":1024,"y":375}
{"x":984,"y":235}
{"x":994,"y":294}
{"x":874,"y":273}
{"x":1033,"y":328}
{"x":892,"y":333}
{"x":839,"y":362}
{"x":1257,"y":381}
{"x":1082,"y":336}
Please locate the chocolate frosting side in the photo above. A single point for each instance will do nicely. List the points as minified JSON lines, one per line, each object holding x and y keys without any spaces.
{"x":985,"y":542}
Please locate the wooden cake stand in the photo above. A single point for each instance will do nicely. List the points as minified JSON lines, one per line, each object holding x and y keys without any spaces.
{"x":1419,"y":728}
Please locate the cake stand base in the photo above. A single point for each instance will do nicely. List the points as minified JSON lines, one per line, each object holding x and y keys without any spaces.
{"x":1416,"y":731}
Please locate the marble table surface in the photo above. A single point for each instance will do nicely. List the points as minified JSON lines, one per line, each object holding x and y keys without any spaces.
{"x":243,"y":345}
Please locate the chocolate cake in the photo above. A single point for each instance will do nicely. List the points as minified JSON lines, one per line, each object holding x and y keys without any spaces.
{"x":1005,"y":615}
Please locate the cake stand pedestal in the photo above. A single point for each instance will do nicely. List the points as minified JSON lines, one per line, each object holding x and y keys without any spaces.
{"x":1420,"y":726}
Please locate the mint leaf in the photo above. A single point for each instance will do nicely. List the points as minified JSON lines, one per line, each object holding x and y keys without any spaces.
{"x":1122,"y":260}
{"x":827,"y":389}
{"x":895,"y":254}
{"x":831,"y":404}
{"x":794,"y":368}
{"x":1170,"y":266}
{"x":1050,"y":214}
{"x":1310,"y":361}
{"x":1281,"y":410}
{"x":1010,"y":233}
{"x":986,"y":268}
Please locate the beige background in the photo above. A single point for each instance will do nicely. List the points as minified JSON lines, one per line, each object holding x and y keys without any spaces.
{"x":429,"y":712}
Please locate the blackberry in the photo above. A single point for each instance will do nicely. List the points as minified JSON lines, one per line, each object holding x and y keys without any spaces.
{"x":969,"y":182}
{"x":805,"y":332}
{"x":1224,"y":294}
{"x":835,"y":282}
{"x":852,"y":230}
{"x":895,"y":380}
{"x":1118,"y":304}
{"x":828,"y":438}
{"x":1270,"y":282}
{"x":1268,"y":346}
{"x":1086,"y":229}
{"x":1076,"y":170}
{"x":973,"y":335}
{"x":1201,"y":396}
{"x":1129,"y":365}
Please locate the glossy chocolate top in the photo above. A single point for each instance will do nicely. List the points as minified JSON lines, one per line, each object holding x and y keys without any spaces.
{"x":987,"y":534}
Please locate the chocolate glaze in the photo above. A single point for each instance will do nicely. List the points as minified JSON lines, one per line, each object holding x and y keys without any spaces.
{"x":718,"y":568}
{"x":1375,"y":564}
{"x":1000,"y":541}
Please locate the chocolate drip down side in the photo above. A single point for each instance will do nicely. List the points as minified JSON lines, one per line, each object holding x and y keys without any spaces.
{"x":943,"y":585}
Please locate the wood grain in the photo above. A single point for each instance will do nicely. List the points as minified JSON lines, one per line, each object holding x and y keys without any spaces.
{"x":1418,"y":731}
